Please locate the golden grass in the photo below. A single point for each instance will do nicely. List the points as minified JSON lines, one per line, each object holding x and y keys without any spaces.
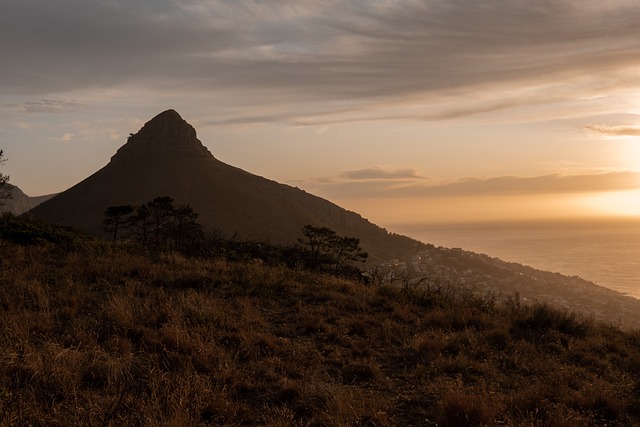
{"x":99,"y":335}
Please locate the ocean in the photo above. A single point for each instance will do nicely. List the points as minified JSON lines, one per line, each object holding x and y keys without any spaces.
{"x":606,"y":252}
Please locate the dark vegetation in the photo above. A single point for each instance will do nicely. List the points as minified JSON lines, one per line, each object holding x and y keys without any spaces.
{"x":161,"y":226}
{"x":102,"y":333}
{"x":158,"y":224}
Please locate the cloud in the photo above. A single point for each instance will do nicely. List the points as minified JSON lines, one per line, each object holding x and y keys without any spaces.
{"x":348,"y":186}
{"x":546,"y":184}
{"x":618,"y":130}
{"x":381,"y":173}
{"x":48,"y":105}
{"x":317,"y":54}
{"x":66,"y":137}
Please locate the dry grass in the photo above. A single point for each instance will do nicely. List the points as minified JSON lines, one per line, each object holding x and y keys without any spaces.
{"x":98,"y":335}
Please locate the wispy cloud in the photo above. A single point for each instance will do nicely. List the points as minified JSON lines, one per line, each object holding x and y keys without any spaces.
{"x":546,"y":184}
{"x":617,"y":130}
{"x":48,"y":105}
{"x":382,"y":173}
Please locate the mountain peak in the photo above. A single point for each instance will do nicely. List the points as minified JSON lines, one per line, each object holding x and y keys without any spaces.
{"x":167,"y":134}
{"x":168,"y":115}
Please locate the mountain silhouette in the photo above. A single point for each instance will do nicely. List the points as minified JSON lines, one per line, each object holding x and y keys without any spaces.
{"x":165,"y":158}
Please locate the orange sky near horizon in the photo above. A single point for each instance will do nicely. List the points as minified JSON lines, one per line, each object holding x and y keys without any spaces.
{"x":620,"y":205}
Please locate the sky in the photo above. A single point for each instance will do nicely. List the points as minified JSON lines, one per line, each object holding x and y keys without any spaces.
{"x":403,"y":111}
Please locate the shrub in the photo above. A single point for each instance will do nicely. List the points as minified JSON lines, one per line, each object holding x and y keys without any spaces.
{"x":28,"y":231}
{"x":542,"y":318}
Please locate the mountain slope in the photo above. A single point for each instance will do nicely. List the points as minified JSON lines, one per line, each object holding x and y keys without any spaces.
{"x":166,"y":158}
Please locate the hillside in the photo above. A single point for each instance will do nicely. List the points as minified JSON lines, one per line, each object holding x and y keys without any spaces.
{"x":165,"y":158}
{"x":94,"y":333}
{"x":484,"y":275}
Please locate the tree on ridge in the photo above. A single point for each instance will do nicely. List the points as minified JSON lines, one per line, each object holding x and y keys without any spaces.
{"x":327,"y":249}
{"x":5,"y":188}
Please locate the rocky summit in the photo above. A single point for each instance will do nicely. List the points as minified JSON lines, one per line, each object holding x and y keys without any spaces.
{"x":165,"y":158}
{"x":166,"y":135}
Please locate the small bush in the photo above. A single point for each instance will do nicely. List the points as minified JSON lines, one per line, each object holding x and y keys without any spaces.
{"x":29,"y":231}
{"x":543,"y":318}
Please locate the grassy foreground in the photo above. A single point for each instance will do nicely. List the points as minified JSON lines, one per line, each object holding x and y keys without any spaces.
{"x":97,"y":335}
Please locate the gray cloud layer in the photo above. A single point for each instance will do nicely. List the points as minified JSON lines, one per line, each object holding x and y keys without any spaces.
{"x":308,"y":51}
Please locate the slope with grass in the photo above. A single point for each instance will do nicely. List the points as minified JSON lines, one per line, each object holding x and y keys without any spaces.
{"x":98,"y":334}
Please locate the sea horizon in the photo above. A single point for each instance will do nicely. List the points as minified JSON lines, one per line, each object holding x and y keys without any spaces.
{"x":602,"y":250}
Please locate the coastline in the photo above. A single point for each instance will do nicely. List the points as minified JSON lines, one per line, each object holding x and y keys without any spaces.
{"x":604,"y":251}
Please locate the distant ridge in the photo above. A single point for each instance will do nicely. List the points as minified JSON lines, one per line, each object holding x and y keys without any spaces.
{"x":20,"y":202}
{"x":165,"y":157}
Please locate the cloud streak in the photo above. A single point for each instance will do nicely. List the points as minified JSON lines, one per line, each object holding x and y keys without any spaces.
{"x":304,"y":52}
{"x":49,"y":105}
{"x":618,"y":130}
{"x":381,"y":173}
{"x":389,"y":185}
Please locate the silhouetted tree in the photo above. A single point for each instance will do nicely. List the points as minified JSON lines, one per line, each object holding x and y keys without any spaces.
{"x":141,"y":222}
{"x":185,"y":228}
{"x":161,"y":213}
{"x":117,"y":217}
{"x":347,"y":250}
{"x":319,"y":241}
{"x":5,"y":188}
{"x":328,"y":250}
{"x":158,"y":224}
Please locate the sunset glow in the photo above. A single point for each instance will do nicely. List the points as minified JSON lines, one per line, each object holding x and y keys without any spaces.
{"x":436,"y":110}
{"x":619,"y":203}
